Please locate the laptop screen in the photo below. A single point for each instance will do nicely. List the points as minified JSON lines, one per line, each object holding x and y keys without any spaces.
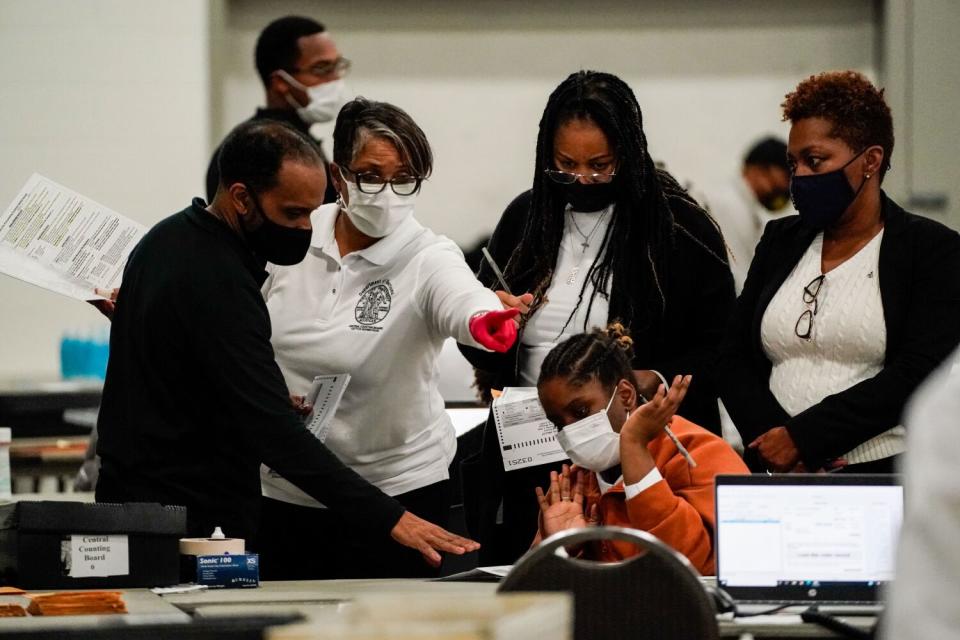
{"x":825,"y":537}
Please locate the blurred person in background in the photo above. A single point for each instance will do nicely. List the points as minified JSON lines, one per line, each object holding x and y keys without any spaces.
{"x":302,"y":74}
{"x":749,"y":201}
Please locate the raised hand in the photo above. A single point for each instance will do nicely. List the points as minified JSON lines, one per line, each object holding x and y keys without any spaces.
{"x":561,"y":507}
{"x":648,"y":420}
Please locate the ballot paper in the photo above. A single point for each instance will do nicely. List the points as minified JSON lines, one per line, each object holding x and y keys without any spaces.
{"x":526,"y":437}
{"x":325,"y":394}
{"x":59,"y":240}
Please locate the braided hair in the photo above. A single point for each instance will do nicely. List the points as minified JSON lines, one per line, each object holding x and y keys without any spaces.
{"x":601,"y":354}
{"x":638,"y":243}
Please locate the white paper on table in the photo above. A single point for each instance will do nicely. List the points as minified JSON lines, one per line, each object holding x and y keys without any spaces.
{"x":500,"y":570}
{"x":526,"y":437}
{"x":62,"y":241}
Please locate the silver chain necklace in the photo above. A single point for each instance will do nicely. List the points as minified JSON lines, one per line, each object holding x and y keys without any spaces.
{"x":571,"y":278}
{"x":586,"y":237}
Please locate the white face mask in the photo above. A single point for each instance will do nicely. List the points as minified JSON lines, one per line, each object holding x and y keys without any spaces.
{"x":592,"y":443}
{"x":379,"y":214}
{"x":325,"y":99}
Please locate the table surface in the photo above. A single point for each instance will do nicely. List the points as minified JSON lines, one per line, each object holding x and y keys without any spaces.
{"x":320,"y":598}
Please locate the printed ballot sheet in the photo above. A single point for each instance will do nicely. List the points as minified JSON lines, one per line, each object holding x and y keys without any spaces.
{"x":526,"y":437}
{"x":59,"y":240}
{"x":325,"y":394}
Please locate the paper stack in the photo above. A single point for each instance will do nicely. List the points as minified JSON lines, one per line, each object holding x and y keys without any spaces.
{"x":76,"y":603}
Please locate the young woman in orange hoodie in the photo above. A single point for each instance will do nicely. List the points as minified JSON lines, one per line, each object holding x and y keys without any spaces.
{"x":629,"y":470}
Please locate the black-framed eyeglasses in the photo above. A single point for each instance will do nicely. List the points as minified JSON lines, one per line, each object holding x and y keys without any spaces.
{"x":565,"y":177}
{"x":804,"y":326}
{"x":372,"y":184}
{"x":338,"y":68}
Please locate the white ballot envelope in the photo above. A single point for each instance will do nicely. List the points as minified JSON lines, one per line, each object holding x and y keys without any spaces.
{"x":64,"y":242}
{"x":526,"y":437}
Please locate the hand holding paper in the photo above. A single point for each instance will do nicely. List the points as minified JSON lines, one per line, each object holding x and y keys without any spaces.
{"x":107,"y":302}
{"x":60,"y":240}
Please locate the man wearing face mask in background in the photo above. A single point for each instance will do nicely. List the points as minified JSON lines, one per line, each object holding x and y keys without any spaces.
{"x":302,"y":73}
{"x":743,"y":207}
{"x":193,"y":401}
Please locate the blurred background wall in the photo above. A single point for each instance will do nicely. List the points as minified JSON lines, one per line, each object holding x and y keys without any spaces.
{"x":124,"y":100}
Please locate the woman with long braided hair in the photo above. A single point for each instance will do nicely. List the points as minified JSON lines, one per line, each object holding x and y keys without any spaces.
{"x":603,"y":235}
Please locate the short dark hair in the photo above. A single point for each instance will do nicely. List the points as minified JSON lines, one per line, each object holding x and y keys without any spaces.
{"x":277,"y":46}
{"x":856,"y":108}
{"x":769,"y":152}
{"x":604,"y":355}
{"x":254,"y":151}
{"x":362,"y":119}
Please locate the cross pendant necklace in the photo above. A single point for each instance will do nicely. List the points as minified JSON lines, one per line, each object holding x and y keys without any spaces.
{"x":575,"y":271}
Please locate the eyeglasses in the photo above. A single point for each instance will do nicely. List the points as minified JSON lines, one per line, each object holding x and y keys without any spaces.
{"x":337,"y":68}
{"x":371,"y":183}
{"x":563,"y":177}
{"x":804,"y":326}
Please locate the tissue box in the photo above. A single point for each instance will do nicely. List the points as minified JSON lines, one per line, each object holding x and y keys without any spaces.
{"x":231,"y":571}
{"x":75,"y":545}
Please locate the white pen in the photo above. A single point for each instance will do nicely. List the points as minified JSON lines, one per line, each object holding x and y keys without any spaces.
{"x":680,"y":447}
{"x":496,"y":270}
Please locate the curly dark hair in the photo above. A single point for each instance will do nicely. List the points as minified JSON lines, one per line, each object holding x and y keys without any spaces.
{"x":860,"y":115}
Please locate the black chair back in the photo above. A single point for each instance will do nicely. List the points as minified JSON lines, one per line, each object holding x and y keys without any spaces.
{"x":654,"y":595}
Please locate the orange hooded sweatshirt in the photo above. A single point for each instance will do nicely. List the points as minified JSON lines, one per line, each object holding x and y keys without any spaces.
{"x":677,"y":509}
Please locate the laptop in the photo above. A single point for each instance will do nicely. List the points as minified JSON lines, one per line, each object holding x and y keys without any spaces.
{"x":824,"y":539}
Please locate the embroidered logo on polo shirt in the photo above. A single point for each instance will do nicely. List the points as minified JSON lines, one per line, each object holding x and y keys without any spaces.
{"x":373,"y":306}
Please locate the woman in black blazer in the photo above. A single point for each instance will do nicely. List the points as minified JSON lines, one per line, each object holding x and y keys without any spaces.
{"x":602,"y":228}
{"x":839,"y":414}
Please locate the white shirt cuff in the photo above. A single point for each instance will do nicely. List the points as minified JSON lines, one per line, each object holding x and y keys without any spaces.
{"x":647,"y":481}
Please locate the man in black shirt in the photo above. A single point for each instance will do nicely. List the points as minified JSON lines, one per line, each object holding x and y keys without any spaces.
{"x":302,"y":73}
{"x":193,"y":401}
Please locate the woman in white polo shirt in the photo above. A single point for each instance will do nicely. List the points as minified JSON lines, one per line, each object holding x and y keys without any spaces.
{"x":375,"y":297}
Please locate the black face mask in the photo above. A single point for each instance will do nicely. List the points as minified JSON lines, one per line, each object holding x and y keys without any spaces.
{"x":588,"y":197}
{"x":821,"y":198}
{"x":276,"y":243}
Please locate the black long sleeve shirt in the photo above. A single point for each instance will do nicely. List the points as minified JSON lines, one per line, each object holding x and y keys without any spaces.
{"x":194,"y":402}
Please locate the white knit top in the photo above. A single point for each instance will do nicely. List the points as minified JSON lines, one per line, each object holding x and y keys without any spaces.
{"x":848,"y":338}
